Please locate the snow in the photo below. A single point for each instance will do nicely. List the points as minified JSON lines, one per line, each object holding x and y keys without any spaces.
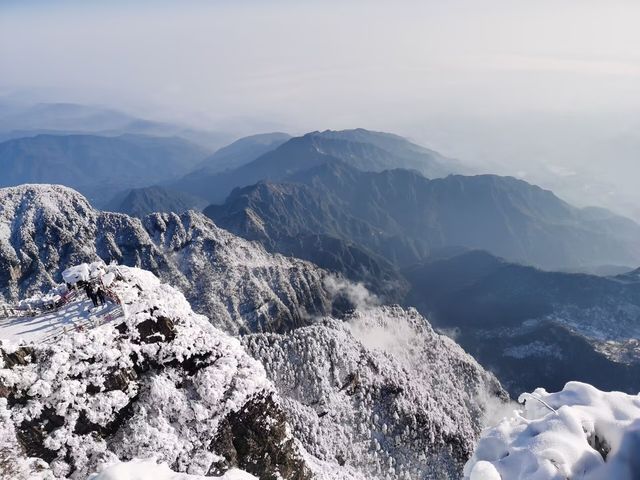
{"x":75,"y":274}
{"x":108,"y":279}
{"x":137,"y":469}
{"x":577,"y":433}
{"x":79,"y":313}
{"x":379,"y":395}
{"x":47,"y":326}
{"x":90,"y":378}
{"x":237,"y":284}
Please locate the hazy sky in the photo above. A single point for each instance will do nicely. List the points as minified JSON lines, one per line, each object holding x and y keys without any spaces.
{"x":328,"y":62}
{"x":489,"y":81}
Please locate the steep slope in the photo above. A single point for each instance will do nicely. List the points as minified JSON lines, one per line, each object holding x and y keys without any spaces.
{"x":360,"y":149}
{"x":295,"y":220}
{"x":242,"y":287}
{"x":97,"y":166}
{"x":380,"y":393}
{"x":44,"y":229}
{"x":163,"y":383}
{"x":546,"y":328}
{"x":402,"y":216}
{"x":140,"y":202}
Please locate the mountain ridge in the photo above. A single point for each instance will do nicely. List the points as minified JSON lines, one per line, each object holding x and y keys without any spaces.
{"x":98,"y":166}
{"x":316,"y":148}
{"x":504,"y":215}
{"x":44,"y":229}
{"x":277,"y":306}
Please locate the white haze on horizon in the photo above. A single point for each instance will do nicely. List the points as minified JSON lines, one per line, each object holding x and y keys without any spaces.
{"x":548,"y":91}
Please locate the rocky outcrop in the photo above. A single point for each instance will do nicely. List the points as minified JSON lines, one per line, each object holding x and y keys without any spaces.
{"x":162,"y":383}
{"x":241,"y":442}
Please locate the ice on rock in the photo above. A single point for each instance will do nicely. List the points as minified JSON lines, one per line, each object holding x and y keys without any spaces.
{"x":577,"y":433}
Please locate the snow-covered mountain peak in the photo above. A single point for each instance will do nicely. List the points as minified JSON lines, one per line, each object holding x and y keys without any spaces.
{"x":171,"y":232}
{"x":375,"y":395}
{"x":48,"y":198}
{"x":236,"y":283}
{"x":161,"y":383}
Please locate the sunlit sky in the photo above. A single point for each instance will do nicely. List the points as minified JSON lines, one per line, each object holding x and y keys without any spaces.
{"x":493,"y":82}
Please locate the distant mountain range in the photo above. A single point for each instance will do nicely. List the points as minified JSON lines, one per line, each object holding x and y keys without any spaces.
{"x":402,"y":216}
{"x":339,"y":200}
{"x":98,"y":166}
{"x":18,"y":121}
{"x":361,"y":149}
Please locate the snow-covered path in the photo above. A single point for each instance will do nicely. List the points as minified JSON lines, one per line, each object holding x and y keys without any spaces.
{"x":47,"y":326}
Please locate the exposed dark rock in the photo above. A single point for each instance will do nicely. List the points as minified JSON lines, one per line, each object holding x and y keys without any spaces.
{"x":84,"y":426}
{"x":196,"y":362}
{"x":122,"y":328}
{"x":22,"y":356}
{"x":119,"y":380}
{"x":255,"y":439}
{"x":156,"y":330}
{"x":32,"y":433}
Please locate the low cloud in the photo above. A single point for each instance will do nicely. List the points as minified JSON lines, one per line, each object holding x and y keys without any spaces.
{"x":355,"y":293}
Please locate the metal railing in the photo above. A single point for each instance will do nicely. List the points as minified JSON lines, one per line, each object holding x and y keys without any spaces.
{"x":9,"y":311}
{"x":87,"y":324}
{"x":30,"y":310}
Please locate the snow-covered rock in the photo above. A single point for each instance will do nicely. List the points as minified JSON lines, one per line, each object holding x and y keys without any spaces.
{"x":380,"y":395}
{"x":45,"y":229}
{"x":238,"y":284}
{"x":577,"y":433}
{"x":149,"y":470}
{"x":161,"y":383}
